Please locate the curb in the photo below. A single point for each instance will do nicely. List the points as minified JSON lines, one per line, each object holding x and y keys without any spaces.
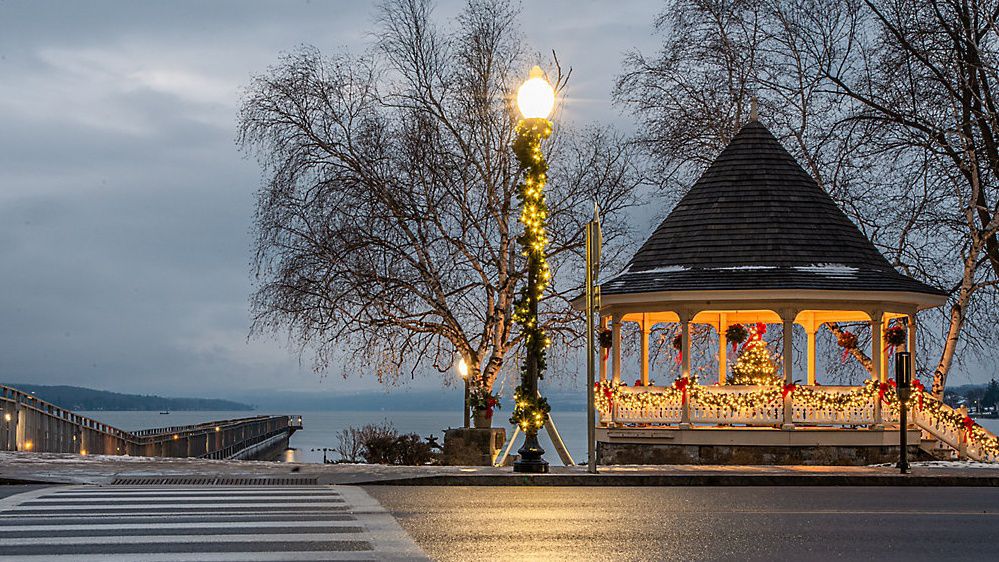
{"x":690,"y":480}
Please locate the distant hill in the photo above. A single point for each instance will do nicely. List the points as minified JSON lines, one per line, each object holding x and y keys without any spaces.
{"x":78,"y":398}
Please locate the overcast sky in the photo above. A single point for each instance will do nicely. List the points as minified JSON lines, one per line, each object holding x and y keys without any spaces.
{"x":125,"y":208}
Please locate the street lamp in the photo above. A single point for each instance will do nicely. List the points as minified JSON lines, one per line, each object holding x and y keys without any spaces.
{"x":463,"y":371}
{"x":535,"y":99}
{"x":903,"y":382}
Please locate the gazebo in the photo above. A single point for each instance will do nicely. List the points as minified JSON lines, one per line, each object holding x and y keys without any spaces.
{"x":755,"y":240}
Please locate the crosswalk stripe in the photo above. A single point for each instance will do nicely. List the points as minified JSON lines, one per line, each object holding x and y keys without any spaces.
{"x":181,"y":539}
{"x":186,"y":499}
{"x":240,"y":523}
{"x":201,"y":556}
{"x":33,"y":506}
{"x":207,"y":525}
{"x":165,"y":491}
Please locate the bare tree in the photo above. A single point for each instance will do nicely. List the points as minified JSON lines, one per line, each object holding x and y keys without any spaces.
{"x":386,"y":229}
{"x":837,"y":84}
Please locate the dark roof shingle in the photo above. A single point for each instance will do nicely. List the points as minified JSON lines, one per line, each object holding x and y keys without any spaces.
{"x":756,"y":220}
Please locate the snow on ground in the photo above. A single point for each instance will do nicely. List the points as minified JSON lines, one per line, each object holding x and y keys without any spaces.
{"x":944,"y":464}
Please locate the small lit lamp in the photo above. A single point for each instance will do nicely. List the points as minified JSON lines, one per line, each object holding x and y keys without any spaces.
{"x":463,"y":372}
{"x":535,"y":99}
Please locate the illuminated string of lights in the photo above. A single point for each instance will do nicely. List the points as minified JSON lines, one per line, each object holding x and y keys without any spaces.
{"x":531,"y":411}
{"x":610,"y":394}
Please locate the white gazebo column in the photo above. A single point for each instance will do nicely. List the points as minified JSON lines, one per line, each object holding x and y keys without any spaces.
{"x":810,"y":330}
{"x":879,"y":374}
{"x":644,"y":330}
{"x":787,"y":316}
{"x":603,"y":359}
{"x":876,"y":332}
{"x":685,"y":317}
{"x":616,"y":347}
{"x":911,"y":344}
{"x":722,"y":345}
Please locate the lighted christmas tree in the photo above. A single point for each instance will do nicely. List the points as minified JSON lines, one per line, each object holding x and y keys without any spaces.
{"x":755,"y":365}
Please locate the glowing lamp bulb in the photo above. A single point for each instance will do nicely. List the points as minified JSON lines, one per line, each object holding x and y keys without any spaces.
{"x":536,"y":97}
{"x":463,"y":368}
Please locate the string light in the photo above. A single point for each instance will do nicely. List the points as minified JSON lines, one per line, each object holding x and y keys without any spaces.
{"x":531,"y":411}
{"x":609,"y":395}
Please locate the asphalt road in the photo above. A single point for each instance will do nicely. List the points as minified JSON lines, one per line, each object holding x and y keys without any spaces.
{"x":697,"y":523}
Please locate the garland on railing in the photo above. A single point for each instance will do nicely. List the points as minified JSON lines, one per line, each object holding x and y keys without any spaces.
{"x":608,"y":394}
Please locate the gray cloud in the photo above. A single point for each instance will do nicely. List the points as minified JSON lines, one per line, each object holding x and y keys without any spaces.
{"x":125,"y":208}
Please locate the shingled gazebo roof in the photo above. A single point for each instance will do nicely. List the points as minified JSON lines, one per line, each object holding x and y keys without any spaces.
{"x":756,"y":220}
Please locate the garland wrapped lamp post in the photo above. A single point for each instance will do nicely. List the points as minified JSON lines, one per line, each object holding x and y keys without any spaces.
{"x":535,"y":99}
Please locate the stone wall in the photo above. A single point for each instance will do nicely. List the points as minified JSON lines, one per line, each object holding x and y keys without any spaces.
{"x":645,"y":453}
{"x":472,"y":447}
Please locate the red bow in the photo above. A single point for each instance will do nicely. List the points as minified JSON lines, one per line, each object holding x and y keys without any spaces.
{"x":920,"y":389}
{"x":682,"y":385}
{"x":968,"y":424}
{"x":788,"y":389}
{"x":638,"y":382}
{"x":882,"y":389}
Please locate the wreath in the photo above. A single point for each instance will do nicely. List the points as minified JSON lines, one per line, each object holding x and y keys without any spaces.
{"x":895,"y":336}
{"x":736,"y":333}
{"x":606,"y":338}
{"x":848,"y":341}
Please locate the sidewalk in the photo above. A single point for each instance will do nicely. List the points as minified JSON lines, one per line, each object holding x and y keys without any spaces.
{"x":96,"y":469}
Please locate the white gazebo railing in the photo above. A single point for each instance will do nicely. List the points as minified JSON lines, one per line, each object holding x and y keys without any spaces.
{"x":668,"y":409}
{"x":813,"y":412}
{"x":749,"y":412}
{"x":800,"y":405}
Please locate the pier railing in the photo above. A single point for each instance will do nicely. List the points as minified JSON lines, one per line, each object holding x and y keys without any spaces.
{"x":31,"y":424}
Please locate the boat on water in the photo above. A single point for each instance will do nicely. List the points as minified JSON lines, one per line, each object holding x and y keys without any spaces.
{"x":164,"y":413}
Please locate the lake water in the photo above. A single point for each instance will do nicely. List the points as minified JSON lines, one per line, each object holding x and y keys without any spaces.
{"x":321,"y":427}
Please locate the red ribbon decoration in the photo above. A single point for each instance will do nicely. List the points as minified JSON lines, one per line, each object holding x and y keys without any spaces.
{"x":882,"y":389}
{"x":788,"y":389}
{"x":920,"y":389}
{"x":682,"y":385}
{"x":968,"y":423}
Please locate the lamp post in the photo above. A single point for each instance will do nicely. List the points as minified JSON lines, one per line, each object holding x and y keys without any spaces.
{"x":535,"y":99}
{"x":903,"y":383}
{"x":463,"y":372}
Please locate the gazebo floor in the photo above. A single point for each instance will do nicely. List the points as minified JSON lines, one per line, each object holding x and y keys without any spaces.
{"x":750,"y":445}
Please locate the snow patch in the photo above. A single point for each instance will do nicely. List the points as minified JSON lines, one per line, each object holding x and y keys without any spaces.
{"x":666,"y":269}
{"x":832,"y":270}
{"x":746,"y":267}
{"x":944,"y":464}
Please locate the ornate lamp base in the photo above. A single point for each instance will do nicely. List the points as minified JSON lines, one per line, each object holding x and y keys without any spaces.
{"x":531,"y":456}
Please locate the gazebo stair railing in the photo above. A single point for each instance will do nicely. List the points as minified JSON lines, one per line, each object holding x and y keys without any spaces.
{"x":761,"y":406}
{"x":953,"y":428}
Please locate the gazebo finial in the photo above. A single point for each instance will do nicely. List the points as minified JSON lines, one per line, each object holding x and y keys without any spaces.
{"x":753,"y":113}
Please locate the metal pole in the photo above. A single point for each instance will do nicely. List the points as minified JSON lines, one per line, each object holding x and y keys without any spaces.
{"x":466,"y":404}
{"x":903,"y":380}
{"x":590,"y":376}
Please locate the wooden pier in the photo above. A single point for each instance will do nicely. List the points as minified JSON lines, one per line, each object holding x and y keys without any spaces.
{"x":30,"y":424}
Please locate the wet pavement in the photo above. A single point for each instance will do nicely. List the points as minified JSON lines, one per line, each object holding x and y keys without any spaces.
{"x":702,"y":523}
